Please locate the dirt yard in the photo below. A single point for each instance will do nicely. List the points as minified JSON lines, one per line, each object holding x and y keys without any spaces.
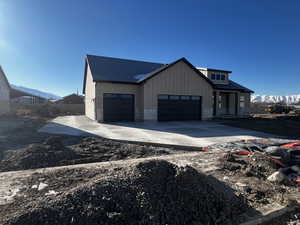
{"x":121,"y":183}
{"x":190,"y":188}
{"x":22,"y":147}
{"x":282,"y":125}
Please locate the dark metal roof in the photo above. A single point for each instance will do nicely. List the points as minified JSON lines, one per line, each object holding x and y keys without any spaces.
{"x":119,"y":70}
{"x":116,"y":70}
{"x":217,"y":70}
{"x":232,"y":86}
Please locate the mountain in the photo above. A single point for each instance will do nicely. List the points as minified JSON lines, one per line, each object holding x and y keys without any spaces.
{"x":36,"y":92}
{"x":290,"y":99}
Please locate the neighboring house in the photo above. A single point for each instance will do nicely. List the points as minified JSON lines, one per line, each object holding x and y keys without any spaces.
{"x":128,"y":90}
{"x":4,"y":93}
{"x":71,"y":99}
{"x":22,"y":97}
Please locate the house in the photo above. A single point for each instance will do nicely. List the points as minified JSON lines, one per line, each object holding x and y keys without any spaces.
{"x":4,"y":93}
{"x":71,"y":99}
{"x":22,"y":97}
{"x":129,"y":90}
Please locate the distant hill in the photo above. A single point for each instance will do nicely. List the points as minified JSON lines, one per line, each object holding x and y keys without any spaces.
{"x":290,"y":99}
{"x":36,"y":92}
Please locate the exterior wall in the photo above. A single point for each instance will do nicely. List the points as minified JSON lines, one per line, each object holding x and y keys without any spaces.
{"x":179,"y":79}
{"x":90,"y":93}
{"x":118,"y":88}
{"x":4,"y":94}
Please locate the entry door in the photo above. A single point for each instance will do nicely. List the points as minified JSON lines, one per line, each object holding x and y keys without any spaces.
{"x":118,"y":107}
{"x":179,"y":107}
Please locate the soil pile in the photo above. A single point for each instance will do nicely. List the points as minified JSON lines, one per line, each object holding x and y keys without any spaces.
{"x":151,"y":192}
{"x":34,"y":156}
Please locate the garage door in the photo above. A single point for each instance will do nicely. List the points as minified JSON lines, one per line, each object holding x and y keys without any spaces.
{"x":179,"y":107}
{"x":118,"y":107}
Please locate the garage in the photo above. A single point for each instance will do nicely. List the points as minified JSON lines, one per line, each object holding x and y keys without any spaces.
{"x":179,"y":107}
{"x":118,"y":107}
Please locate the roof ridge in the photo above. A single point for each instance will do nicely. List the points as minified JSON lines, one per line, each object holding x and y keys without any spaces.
{"x":131,"y":60}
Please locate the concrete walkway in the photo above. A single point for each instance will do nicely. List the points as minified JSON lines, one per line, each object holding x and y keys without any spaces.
{"x":184,"y":133}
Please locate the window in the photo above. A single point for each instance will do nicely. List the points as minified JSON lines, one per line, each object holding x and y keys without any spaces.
{"x":163,"y":97}
{"x":184,"y":97}
{"x":213,"y":76}
{"x":196,"y":98}
{"x":125,"y":96}
{"x":222,"y":77}
{"x":174,"y":97}
{"x":218,"y":77}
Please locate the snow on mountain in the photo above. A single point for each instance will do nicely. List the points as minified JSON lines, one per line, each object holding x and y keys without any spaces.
{"x":274,"y":99}
{"x":36,"y":92}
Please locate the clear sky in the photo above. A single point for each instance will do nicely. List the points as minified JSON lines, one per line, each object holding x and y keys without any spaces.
{"x":43,"y":42}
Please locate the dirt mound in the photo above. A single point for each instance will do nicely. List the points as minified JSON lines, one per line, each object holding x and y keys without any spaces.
{"x":152,"y":192}
{"x":37,"y":156}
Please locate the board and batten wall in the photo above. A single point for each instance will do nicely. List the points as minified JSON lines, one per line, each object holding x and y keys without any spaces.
{"x":90,"y":94}
{"x":178,"y":79}
{"x":4,"y":94}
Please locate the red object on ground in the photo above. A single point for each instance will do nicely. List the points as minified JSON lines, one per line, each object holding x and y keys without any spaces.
{"x":293,"y":145}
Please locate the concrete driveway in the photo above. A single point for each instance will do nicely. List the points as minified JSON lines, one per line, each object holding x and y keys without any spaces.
{"x":184,"y":133}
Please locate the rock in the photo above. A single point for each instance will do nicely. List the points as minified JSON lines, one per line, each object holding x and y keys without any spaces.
{"x":42,"y":186}
{"x":277,"y":177}
{"x":51,"y":192}
{"x":242,"y":187}
{"x":34,"y":186}
{"x":225,"y":178}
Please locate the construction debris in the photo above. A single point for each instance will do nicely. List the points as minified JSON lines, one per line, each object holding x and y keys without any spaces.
{"x":277,"y":160}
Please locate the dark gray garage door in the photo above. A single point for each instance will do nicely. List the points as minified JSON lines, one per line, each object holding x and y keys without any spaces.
{"x":118,"y":107}
{"x":179,"y":107}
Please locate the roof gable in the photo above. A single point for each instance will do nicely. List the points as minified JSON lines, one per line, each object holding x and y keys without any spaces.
{"x":165,"y":67}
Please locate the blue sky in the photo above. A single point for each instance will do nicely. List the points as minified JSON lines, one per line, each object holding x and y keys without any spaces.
{"x":43,"y":43}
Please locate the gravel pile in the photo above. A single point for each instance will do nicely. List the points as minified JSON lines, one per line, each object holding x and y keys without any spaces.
{"x":152,"y":192}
